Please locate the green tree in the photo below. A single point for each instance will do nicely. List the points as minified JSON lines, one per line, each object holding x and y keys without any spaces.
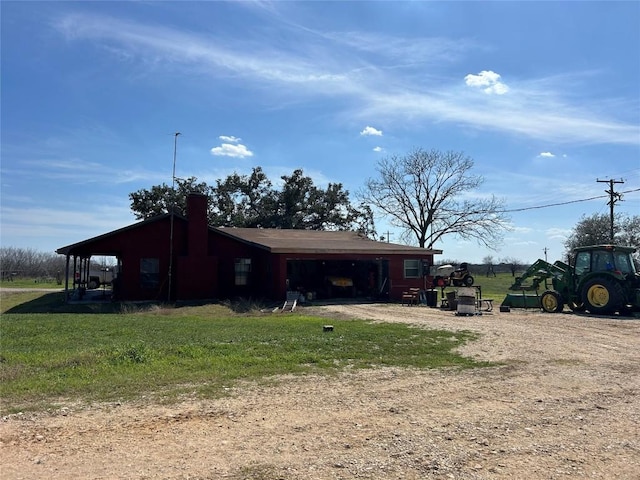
{"x":596,"y":230}
{"x":252,"y":201}
{"x":428,"y":195}
{"x":302,"y":205}
{"x":162,"y":198}
{"x":243,"y":200}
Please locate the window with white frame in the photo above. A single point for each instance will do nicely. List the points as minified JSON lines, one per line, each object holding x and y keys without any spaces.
{"x":412,"y":268}
{"x":242,"y":270}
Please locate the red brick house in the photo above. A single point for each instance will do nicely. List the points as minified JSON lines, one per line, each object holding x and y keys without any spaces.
{"x":211,"y":263}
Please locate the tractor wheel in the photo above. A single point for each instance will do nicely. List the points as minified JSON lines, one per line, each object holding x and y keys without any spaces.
{"x":602,"y":295}
{"x":551,"y":302}
{"x":468,"y":281}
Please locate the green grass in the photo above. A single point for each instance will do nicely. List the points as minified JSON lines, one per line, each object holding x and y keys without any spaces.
{"x":31,"y":283}
{"x":492,"y":287}
{"x":163,"y":353}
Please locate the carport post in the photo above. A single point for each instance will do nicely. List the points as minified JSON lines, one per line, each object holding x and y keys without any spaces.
{"x":66,"y":280}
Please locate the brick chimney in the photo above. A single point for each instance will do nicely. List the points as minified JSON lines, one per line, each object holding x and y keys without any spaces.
{"x":198,"y":236}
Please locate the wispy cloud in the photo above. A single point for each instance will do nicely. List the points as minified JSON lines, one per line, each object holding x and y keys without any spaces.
{"x":80,"y":171}
{"x":229,"y":138}
{"x":64,"y":222}
{"x":558,"y":233}
{"x":546,"y":155}
{"x":309,"y":67}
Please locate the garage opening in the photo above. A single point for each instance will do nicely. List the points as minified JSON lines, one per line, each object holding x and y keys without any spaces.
{"x":325,"y":279}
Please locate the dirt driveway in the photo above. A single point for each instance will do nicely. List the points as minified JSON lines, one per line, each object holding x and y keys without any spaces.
{"x":564,"y":404}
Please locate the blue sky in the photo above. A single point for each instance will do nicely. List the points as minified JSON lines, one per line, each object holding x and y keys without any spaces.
{"x":544,"y":96}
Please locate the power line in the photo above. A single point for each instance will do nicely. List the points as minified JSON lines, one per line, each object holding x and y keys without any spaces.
{"x":565,"y":203}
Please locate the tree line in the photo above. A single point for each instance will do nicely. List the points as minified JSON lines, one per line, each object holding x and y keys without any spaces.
{"x":427,"y":194}
{"x":18,"y":262}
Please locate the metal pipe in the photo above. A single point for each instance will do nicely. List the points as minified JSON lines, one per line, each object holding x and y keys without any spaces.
{"x":173,"y":207}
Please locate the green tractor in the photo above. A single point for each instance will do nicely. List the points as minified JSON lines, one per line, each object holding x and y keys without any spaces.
{"x":602,"y":280}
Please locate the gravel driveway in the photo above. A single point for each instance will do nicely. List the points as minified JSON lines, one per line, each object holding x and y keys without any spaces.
{"x":563,"y":403}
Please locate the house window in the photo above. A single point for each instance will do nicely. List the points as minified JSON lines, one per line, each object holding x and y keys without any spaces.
{"x":149,"y":272}
{"x":412,"y":268}
{"x":242,"y":269}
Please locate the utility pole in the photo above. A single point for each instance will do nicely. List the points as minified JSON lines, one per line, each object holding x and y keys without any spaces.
{"x":545,"y":250}
{"x":613,"y":198}
{"x":173,"y":208}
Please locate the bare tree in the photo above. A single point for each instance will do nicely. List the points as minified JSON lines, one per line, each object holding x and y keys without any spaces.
{"x":514,"y":264}
{"x":428,"y":195}
{"x":29,"y":263}
{"x":488,"y":261}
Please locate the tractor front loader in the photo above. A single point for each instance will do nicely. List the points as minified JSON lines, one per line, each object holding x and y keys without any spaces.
{"x":602,"y":280}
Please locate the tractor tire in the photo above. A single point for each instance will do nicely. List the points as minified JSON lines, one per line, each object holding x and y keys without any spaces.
{"x":602,"y":295}
{"x":467,"y":281}
{"x":551,"y":302}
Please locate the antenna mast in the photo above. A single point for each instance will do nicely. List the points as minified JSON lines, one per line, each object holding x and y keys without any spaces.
{"x":173,"y":208}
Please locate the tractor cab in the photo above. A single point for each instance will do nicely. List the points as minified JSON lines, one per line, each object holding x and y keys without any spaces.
{"x":604,"y":258}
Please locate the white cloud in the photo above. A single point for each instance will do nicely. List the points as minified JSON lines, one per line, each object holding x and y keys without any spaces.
{"x":547,"y":155}
{"x":377,"y":149}
{"x":371,"y":131}
{"x":231,"y":150}
{"x":229,"y":138}
{"x":488,"y":79}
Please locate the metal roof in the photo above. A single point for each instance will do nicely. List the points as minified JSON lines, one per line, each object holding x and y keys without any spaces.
{"x":317,"y":241}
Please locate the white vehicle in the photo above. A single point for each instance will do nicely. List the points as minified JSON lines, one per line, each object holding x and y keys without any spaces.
{"x":97,"y":277}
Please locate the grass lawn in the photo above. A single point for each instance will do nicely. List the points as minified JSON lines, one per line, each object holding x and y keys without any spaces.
{"x":492,"y":287}
{"x":31,"y":283}
{"x":161,"y":353}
